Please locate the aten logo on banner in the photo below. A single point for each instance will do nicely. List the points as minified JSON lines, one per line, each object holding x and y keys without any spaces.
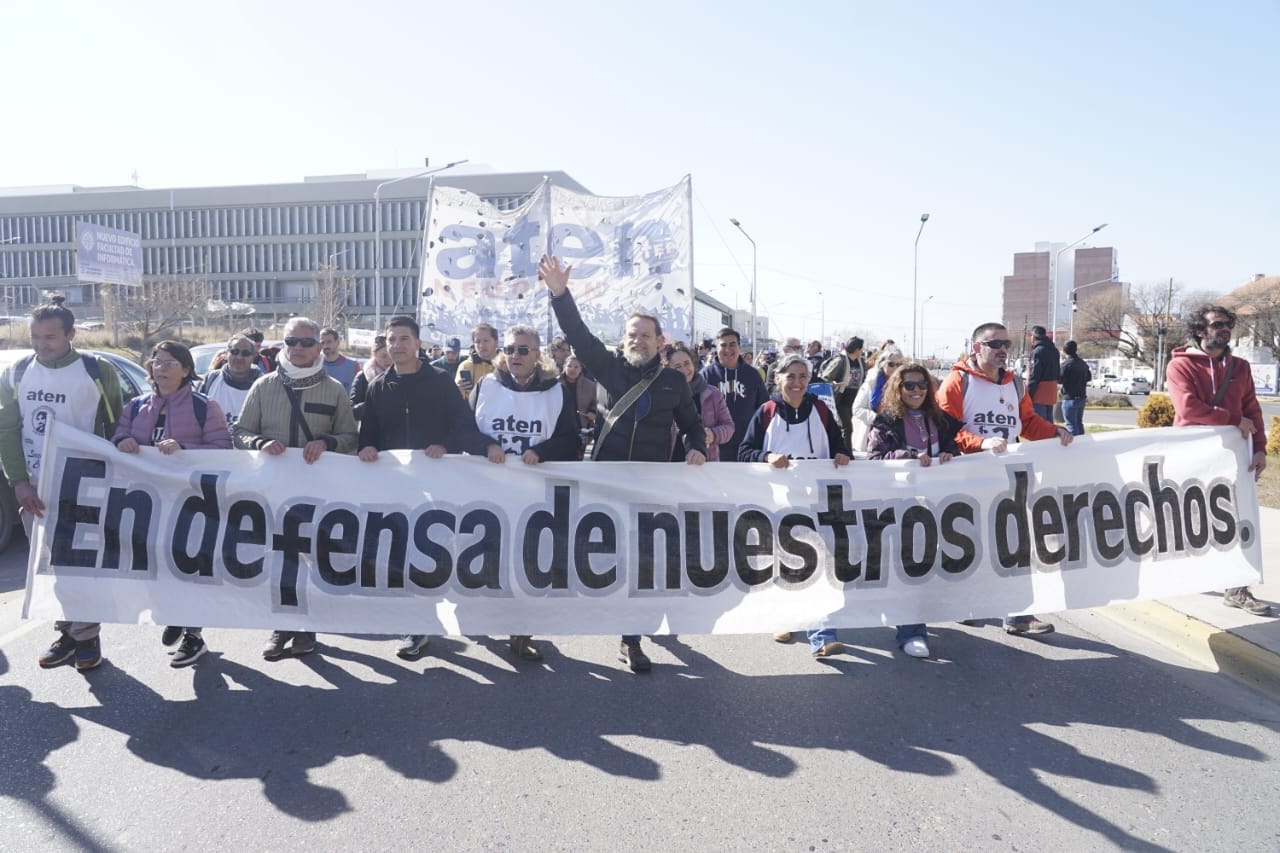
{"x":108,"y":255}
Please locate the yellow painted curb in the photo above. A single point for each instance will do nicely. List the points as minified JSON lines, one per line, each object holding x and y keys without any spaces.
{"x":1212,"y":647}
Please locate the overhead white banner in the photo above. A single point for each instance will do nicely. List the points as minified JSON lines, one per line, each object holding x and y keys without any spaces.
{"x":226,"y":538}
{"x":480,"y":262}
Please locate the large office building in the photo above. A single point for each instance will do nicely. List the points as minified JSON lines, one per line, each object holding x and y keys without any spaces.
{"x":1084,"y":274}
{"x":266,"y":246}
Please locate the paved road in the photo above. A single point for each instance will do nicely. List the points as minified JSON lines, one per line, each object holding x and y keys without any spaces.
{"x":1090,"y":739}
{"x":1129,"y":417}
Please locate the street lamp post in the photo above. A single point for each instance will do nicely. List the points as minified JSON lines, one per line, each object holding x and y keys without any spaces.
{"x":923,"y":305}
{"x":754,"y":268}
{"x":377,"y":234}
{"x":1052,"y":315}
{"x":822,"y":322}
{"x":915,"y":277}
{"x":1071,"y":329}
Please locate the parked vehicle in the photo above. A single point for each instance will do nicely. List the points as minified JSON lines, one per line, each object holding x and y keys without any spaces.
{"x":1129,"y":385}
{"x":1102,"y":380}
{"x":203,"y":355}
{"x":133,"y":381}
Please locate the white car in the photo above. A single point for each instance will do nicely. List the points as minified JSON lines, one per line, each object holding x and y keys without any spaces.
{"x":1129,"y":385}
{"x":1102,"y":381}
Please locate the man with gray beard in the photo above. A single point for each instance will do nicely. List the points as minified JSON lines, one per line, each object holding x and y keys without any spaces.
{"x":637,"y":423}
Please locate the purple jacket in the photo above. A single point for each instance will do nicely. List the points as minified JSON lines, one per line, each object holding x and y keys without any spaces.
{"x":180,"y":422}
{"x":715,"y":417}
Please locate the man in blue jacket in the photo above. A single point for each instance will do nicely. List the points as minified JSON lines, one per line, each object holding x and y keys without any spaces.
{"x":642,"y":431}
{"x":740,"y":383}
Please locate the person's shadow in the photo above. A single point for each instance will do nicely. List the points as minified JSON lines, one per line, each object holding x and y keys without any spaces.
{"x":986,"y":700}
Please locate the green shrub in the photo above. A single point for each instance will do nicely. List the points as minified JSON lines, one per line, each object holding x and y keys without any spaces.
{"x":1156,"y":412}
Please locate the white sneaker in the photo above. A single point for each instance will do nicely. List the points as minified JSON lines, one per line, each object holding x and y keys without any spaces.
{"x":916,"y":647}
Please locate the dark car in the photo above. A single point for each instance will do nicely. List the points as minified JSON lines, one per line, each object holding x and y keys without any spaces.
{"x":133,"y":381}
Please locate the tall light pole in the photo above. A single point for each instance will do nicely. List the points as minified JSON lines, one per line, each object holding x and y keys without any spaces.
{"x":822,"y":324}
{"x":915,"y":276}
{"x":738,"y":225}
{"x":923,"y":305}
{"x":1052,"y":316}
{"x":377,"y":234}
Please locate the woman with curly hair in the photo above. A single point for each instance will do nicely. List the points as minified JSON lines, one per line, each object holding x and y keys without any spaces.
{"x":911,"y":425}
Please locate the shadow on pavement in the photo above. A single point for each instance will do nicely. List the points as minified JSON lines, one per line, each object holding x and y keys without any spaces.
{"x":988,"y":703}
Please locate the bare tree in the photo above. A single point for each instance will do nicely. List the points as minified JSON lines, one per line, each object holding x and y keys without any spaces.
{"x":333,"y":294}
{"x":1258,"y":307}
{"x":1132,"y":326}
{"x":152,"y":312}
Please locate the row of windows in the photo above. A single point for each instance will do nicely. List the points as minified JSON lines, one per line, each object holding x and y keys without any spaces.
{"x":397,"y":254}
{"x":224,"y":222}
{"x":399,"y":293}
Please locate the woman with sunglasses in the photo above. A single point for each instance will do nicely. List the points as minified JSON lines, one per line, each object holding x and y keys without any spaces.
{"x":912,"y":426}
{"x":871,"y":393}
{"x":171,"y":418}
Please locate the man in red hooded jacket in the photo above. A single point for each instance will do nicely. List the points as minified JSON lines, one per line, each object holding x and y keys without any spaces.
{"x":1211,"y":387}
{"x":996,"y":411}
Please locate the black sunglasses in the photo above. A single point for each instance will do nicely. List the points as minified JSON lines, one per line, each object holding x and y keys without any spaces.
{"x":997,"y":344}
{"x":512,"y":349}
{"x":300,"y":342}
{"x":912,"y":385}
{"x":244,"y":352}
{"x":1222,"y":324}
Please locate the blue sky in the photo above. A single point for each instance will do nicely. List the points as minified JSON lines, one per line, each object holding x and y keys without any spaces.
{"x":826,"y":128}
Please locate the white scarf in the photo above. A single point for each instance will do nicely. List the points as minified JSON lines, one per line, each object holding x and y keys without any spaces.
{"x":296,"y":373}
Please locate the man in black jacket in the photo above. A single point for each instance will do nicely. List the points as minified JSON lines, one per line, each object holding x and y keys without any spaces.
{"x":1075,"y":384}
{"x":1042,"y":375}
{"x":641,"y":433}
{"x":414,"y":405}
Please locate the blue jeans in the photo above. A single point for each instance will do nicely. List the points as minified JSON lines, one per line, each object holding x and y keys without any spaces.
{"x":1073,"y":413}
{"x":820,"y":637}
{"x":1044,"y":411}
{"x":910,"y":632}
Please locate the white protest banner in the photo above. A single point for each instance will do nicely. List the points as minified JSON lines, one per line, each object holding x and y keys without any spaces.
{"x":629,"y":253}
{"x":480,"y":263}
{"x":407,"y":544}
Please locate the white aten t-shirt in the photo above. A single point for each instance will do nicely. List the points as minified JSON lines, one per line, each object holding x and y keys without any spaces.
{"x":517,"y":419}
{"x":68,"y":394}
{"x":991,"y":410}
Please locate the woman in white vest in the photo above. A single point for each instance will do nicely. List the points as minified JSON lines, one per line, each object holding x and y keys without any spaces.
{"x":530,"y":413}
{"x":795,"y":424}
{"x":229,"y":385}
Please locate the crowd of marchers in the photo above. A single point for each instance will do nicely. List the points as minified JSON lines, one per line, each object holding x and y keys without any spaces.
{"x":513,"y":401}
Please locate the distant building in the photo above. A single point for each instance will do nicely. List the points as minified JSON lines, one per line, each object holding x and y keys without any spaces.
{"x":1085,"y":274}
{"x":265,"y":245}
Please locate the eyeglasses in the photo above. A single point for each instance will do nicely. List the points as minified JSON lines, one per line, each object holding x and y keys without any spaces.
{"x":511,"y":349}
{"x":912,"y":385}
{"x":997,"y":344}
{"x":300,"y":342}
{"x":1222,"y":324}
{"x":247,"y":353}
{"x":164,"y":363}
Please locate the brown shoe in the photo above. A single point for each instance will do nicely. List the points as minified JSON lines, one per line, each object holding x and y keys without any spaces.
{"x":1242,"y":598}
{"x":784,"y":636}
{"x":832,"y":648}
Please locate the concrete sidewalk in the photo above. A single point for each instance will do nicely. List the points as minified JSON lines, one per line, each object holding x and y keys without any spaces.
{"x":1221,"y":638}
